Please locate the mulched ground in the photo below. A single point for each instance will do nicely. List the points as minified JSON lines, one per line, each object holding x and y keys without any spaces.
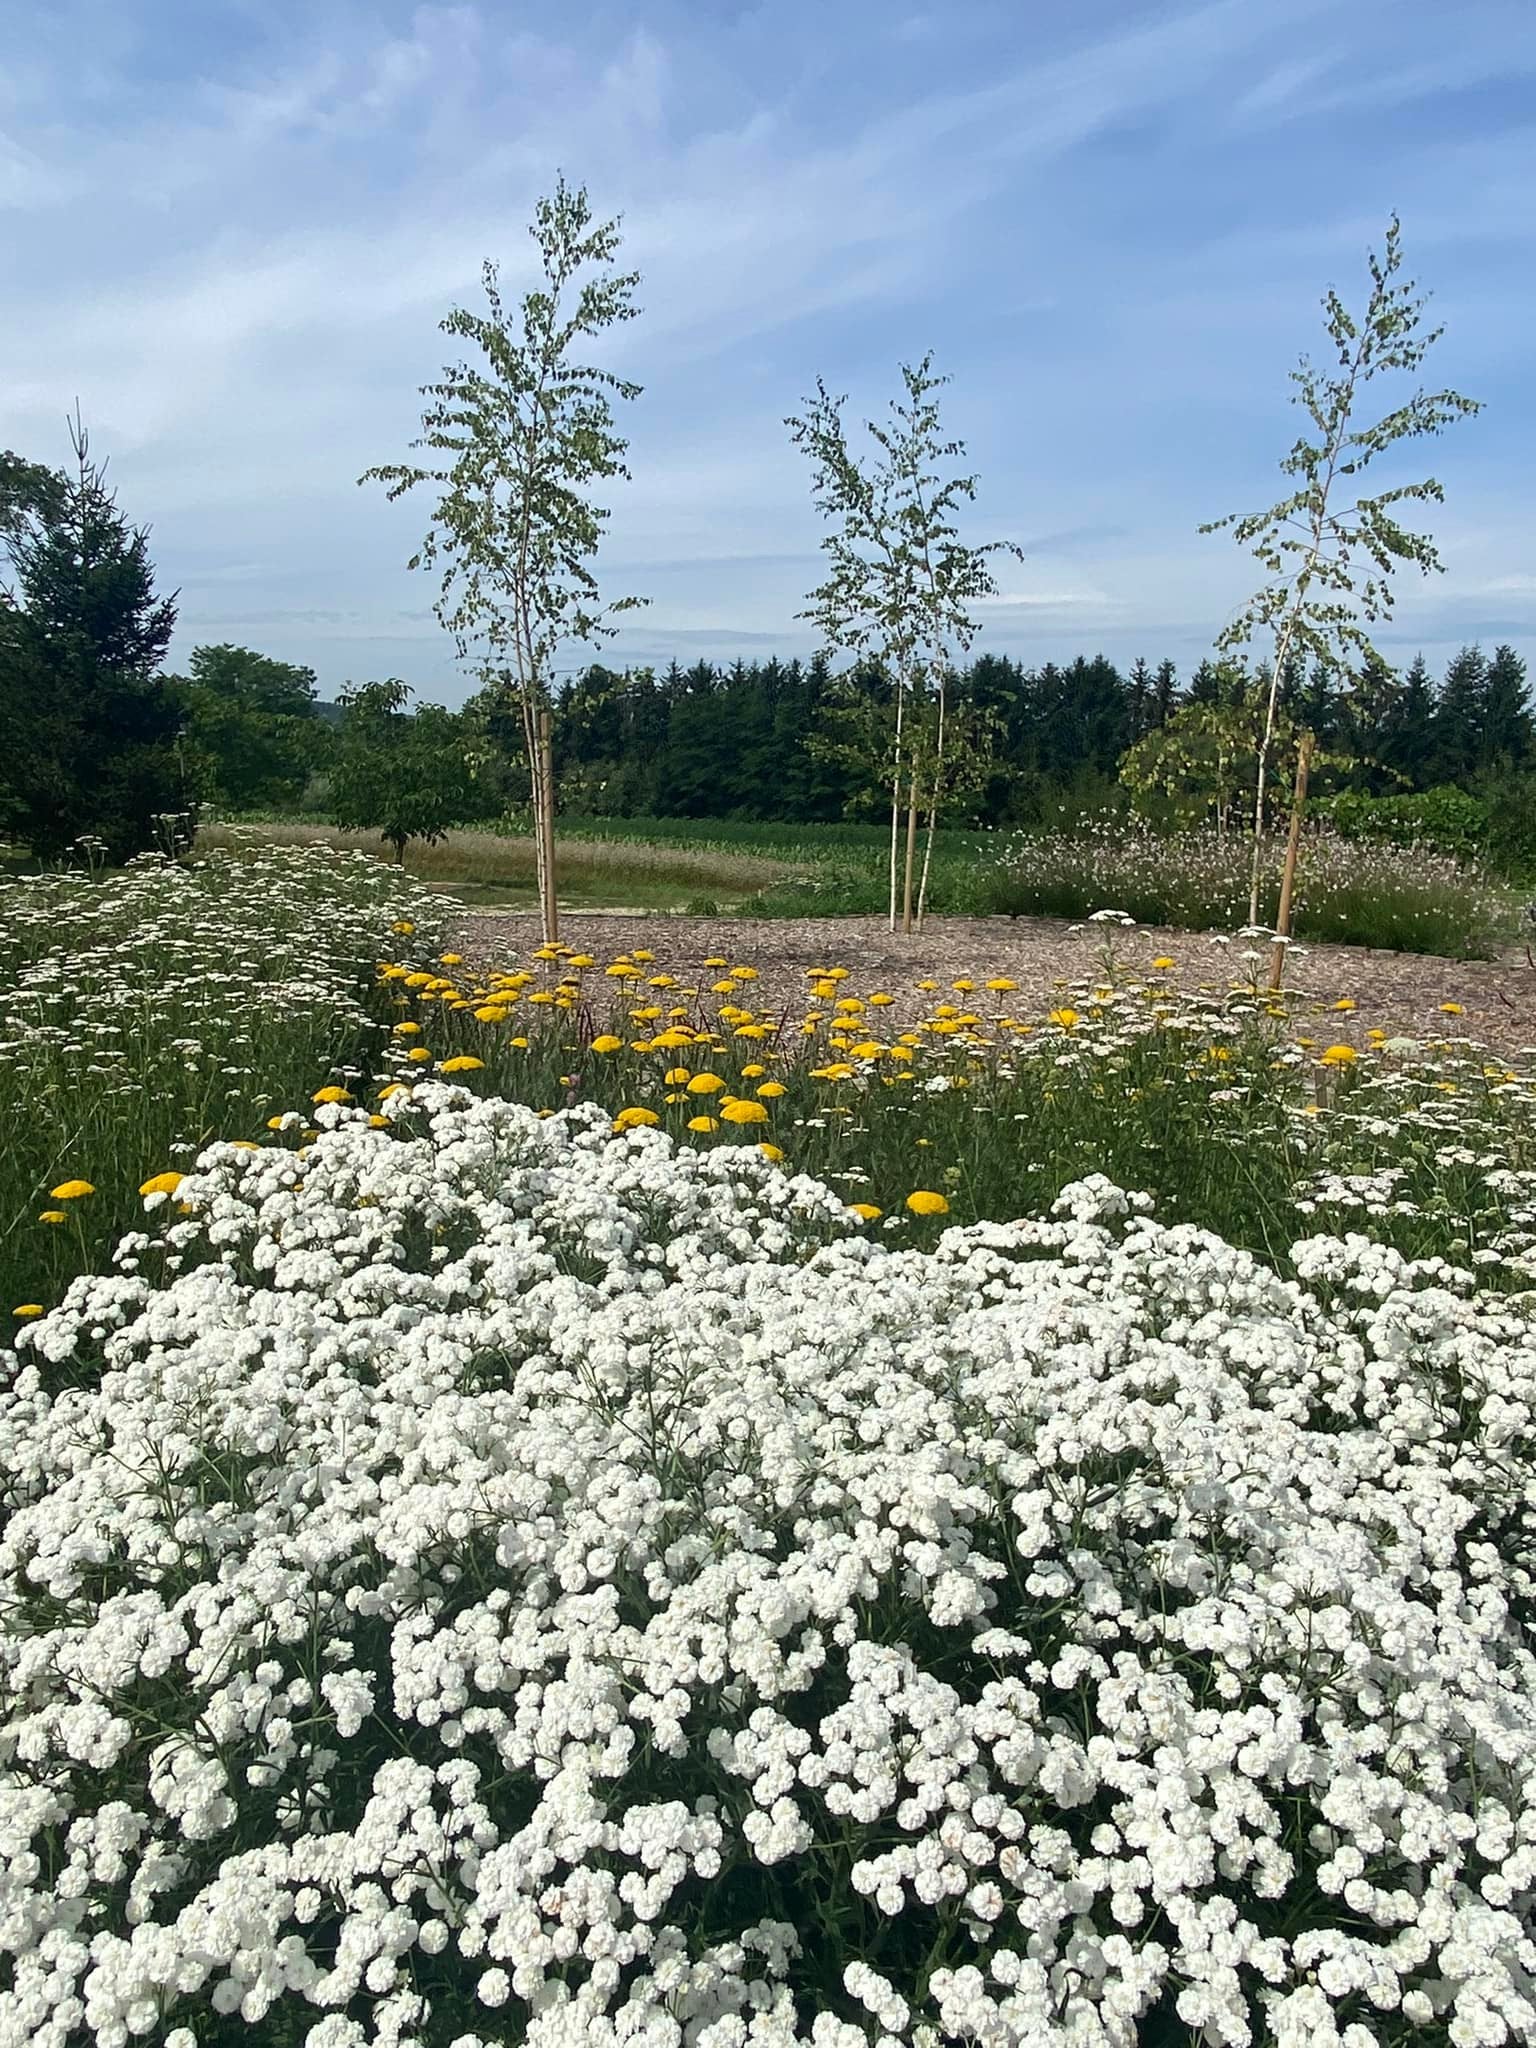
{"x":1401,"y":992}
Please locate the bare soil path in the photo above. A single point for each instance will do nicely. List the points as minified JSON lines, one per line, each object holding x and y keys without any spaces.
{"x":1400,"y":992}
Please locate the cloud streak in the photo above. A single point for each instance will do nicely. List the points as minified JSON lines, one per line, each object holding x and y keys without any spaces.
{"x":232,"y":234}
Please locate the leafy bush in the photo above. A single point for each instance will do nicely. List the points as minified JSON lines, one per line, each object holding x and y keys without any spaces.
{"x":1447,"y":819}
{"x":1511,"y":841}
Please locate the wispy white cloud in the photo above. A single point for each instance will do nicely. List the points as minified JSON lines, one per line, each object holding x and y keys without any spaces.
{"x":239,"y":270}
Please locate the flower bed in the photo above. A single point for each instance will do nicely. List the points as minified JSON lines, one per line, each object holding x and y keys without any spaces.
{"x":491,"y":1579}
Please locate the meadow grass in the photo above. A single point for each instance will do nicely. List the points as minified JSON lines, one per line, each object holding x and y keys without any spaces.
{"x":1405,"y":899}
{"x":1245,"y":1114}
{"x":157,"y":1008}
{"x":594,"y":873}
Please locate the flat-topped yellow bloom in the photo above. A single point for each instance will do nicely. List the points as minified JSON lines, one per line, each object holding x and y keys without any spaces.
{"x":738,"y":1111}
{"x":607,"y":1042}
{"x":1065,"y":1017}
{"x":926,"y":1202}
{"x":636,"y":1117}
{"x":1338,"y":1056}
{"x":490,"y":1013}
{"x":703,"y":1123}
{"x":72,"y":1190}
{"x":461,"y":1063}
{"x":705,"y":1084}
{"x":769,"y":1090}
{"x":333,"y":1093}
{"x":773,"y":1153}
{"x":866,"y":1212}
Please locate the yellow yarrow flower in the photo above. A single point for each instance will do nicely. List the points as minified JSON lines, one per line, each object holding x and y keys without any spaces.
{"x":705,"y":1084}
{"x":634,"y":1118}
{"x":28,"y":1308}
{"x":607,"y":1043}
{"x":703,"y":1123}
{"x":161,"y":1183}
{"x":774,"y":1153}
{"x":925,"y":1202}
{"x":461,"y":1063}
{"x":769,"y":1089}
{"x":865,"y":1211}
{"x":53,"y":1216}
{"x":737,"y":1111}
{"x":72,"y":1190}
{"x":1338,"y":1056}
{"x":333,"y":1093}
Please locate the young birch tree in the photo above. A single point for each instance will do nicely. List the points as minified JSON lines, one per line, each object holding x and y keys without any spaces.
{"x":900,"y":580}
{"x":1329,"y":566}
{"x":519,"y":443}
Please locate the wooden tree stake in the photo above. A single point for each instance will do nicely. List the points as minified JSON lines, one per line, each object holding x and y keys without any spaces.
{"x":1288,"y":876}
{"x":545,"y":824}
{"x":906,"y":893}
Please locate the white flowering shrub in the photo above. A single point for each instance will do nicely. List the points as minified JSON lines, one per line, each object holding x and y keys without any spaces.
{"x":491,"y":1580}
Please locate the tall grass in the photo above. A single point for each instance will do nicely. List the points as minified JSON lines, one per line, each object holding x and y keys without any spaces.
{"x":619,"y":872}
{"x":151,"y":1011}
{"x":1240,"y":1113}
{"x":1409,"y":899}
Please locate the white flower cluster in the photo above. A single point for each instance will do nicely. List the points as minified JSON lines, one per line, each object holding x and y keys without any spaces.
{"x":514,"y":1582}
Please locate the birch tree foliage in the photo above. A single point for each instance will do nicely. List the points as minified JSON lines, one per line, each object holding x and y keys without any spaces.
{"x":517,"y":440}
{"x":900,"y":580}
{"x":1328,"y":565}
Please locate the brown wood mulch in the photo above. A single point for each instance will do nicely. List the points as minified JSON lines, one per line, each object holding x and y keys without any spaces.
{"x":1400,"y":992}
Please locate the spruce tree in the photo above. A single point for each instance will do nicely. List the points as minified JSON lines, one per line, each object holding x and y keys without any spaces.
{"x":1407,"y":744}
{"x":1461,"y":717}
{"x":1507,"y":737}
{"x":89,"y":727}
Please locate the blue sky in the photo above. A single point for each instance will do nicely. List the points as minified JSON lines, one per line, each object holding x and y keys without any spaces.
{"x":231,"y":230}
